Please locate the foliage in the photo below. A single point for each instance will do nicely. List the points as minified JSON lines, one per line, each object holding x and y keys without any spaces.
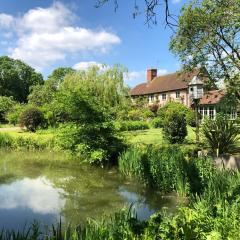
{"x":132,"y":125}
{"x":174,"y":126}
{"x":16,"y":78}
{"x":208,"y":36}
{"x":157,"y":122}
{"x":163,"y":169}
{"x":93,"y":133}
{"x":44,"y":94}
{"x":6,"y":104}
{"x":221,"y":134}
{"x":139,"y":114}
{"x":31,"y":118}
{"x":178,"y":107}
{"x":13,"y":115}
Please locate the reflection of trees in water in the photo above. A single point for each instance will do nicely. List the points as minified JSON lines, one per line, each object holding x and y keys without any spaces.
{"x":87,"y":191}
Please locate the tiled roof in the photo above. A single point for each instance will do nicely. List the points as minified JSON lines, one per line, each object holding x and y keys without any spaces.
{"x":169,"y":82}
{"x":212,"y":97}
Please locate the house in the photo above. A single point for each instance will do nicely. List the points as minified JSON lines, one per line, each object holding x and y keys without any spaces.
{"x":179,"y":87}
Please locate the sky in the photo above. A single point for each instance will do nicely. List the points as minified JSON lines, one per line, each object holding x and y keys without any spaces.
{"x":47,"y":34}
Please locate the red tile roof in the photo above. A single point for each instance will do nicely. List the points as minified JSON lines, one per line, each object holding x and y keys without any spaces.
{"x":212,"y":97}
{"x":169,"y":82}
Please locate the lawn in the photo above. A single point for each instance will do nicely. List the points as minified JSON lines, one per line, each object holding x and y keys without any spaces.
{"x":154,"y":136}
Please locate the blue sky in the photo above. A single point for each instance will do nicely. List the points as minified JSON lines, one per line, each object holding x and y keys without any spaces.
{"x":49,"y":34}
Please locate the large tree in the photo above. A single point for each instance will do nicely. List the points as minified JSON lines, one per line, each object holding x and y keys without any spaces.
{"x":16,"y":78}
{"x":208,"y":36}
{"x":44,"y":94}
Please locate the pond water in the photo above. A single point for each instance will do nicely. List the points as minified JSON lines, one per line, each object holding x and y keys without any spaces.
{"x":32,"y":190}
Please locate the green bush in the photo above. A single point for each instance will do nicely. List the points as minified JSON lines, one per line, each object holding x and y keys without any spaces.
{"x":174,"y":126}
{"x":96,"y":143}
{"x":180,"y":108}
{"x":13,"y":116}
{"x":140,"y":114}
{"x":32,"y":118}
{"x":221,"y":134}
{"x":132,"y":125}
{"x":157,"y":123}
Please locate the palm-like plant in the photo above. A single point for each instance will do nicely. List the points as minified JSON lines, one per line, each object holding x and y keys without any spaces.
{"x":221,"y":134}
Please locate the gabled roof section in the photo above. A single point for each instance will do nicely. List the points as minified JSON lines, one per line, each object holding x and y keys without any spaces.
{"x":212,"y":97}
{"x":165,"y":83}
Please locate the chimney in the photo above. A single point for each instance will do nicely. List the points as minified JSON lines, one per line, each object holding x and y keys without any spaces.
{"x":151,"y":74}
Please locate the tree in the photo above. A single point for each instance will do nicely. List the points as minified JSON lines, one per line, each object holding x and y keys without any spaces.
{"x":16,"y":78}
{"x":89,"y":101}
{"x":208,"y":36}
{"x":150,"y":8}
{"x":6,"y":104}
{"x":31,"y":118}
{"x":44,"y":94}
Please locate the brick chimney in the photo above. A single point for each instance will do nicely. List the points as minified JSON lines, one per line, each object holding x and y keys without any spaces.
{"x":151,"y":74}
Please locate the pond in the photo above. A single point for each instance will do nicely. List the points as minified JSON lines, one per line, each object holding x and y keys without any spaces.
{"x":37,"y":190}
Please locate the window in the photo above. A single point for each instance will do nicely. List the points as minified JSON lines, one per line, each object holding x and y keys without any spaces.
{"x":177,"y":94}
{"x":164,"y":96}
{"x":211,"y":112}
{"x":151,"y":98}
{"x":205,"y":112}
{"x":233,"y":115}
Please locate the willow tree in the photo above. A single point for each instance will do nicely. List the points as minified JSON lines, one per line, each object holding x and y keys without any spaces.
{"x":208,"y":36}
{"x":105,"y":85}
{"x":88,"y":101}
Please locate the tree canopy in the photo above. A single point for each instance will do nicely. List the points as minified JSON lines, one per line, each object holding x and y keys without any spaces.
{"x":208,"y":36}
{"x":44,"y":94}
{"x":16,"y":78}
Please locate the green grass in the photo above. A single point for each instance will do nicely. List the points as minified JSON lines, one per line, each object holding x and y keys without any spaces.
{"x":154,"y":136}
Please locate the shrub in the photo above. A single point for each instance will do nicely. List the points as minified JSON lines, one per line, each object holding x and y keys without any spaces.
{"x":133,"y":125}
{"x":31,"y":118}
{"x":180,"y":108}
{"x":174,"y":126}
{"x":95,"y":143}
{"x":13,"y":116}
{"x":140,"y":114}
{"x":157,"y":123}
{"x":221,"y":134}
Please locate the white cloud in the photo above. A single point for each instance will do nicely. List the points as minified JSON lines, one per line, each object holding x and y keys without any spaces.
{"x":86,"y":65}
{"x":35,"y":194}
{"x":47,"y":35}
{"x":6,"y":20}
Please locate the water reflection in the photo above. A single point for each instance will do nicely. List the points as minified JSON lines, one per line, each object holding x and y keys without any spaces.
{"x":38,"y":195}
{"x":31,"y":191}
